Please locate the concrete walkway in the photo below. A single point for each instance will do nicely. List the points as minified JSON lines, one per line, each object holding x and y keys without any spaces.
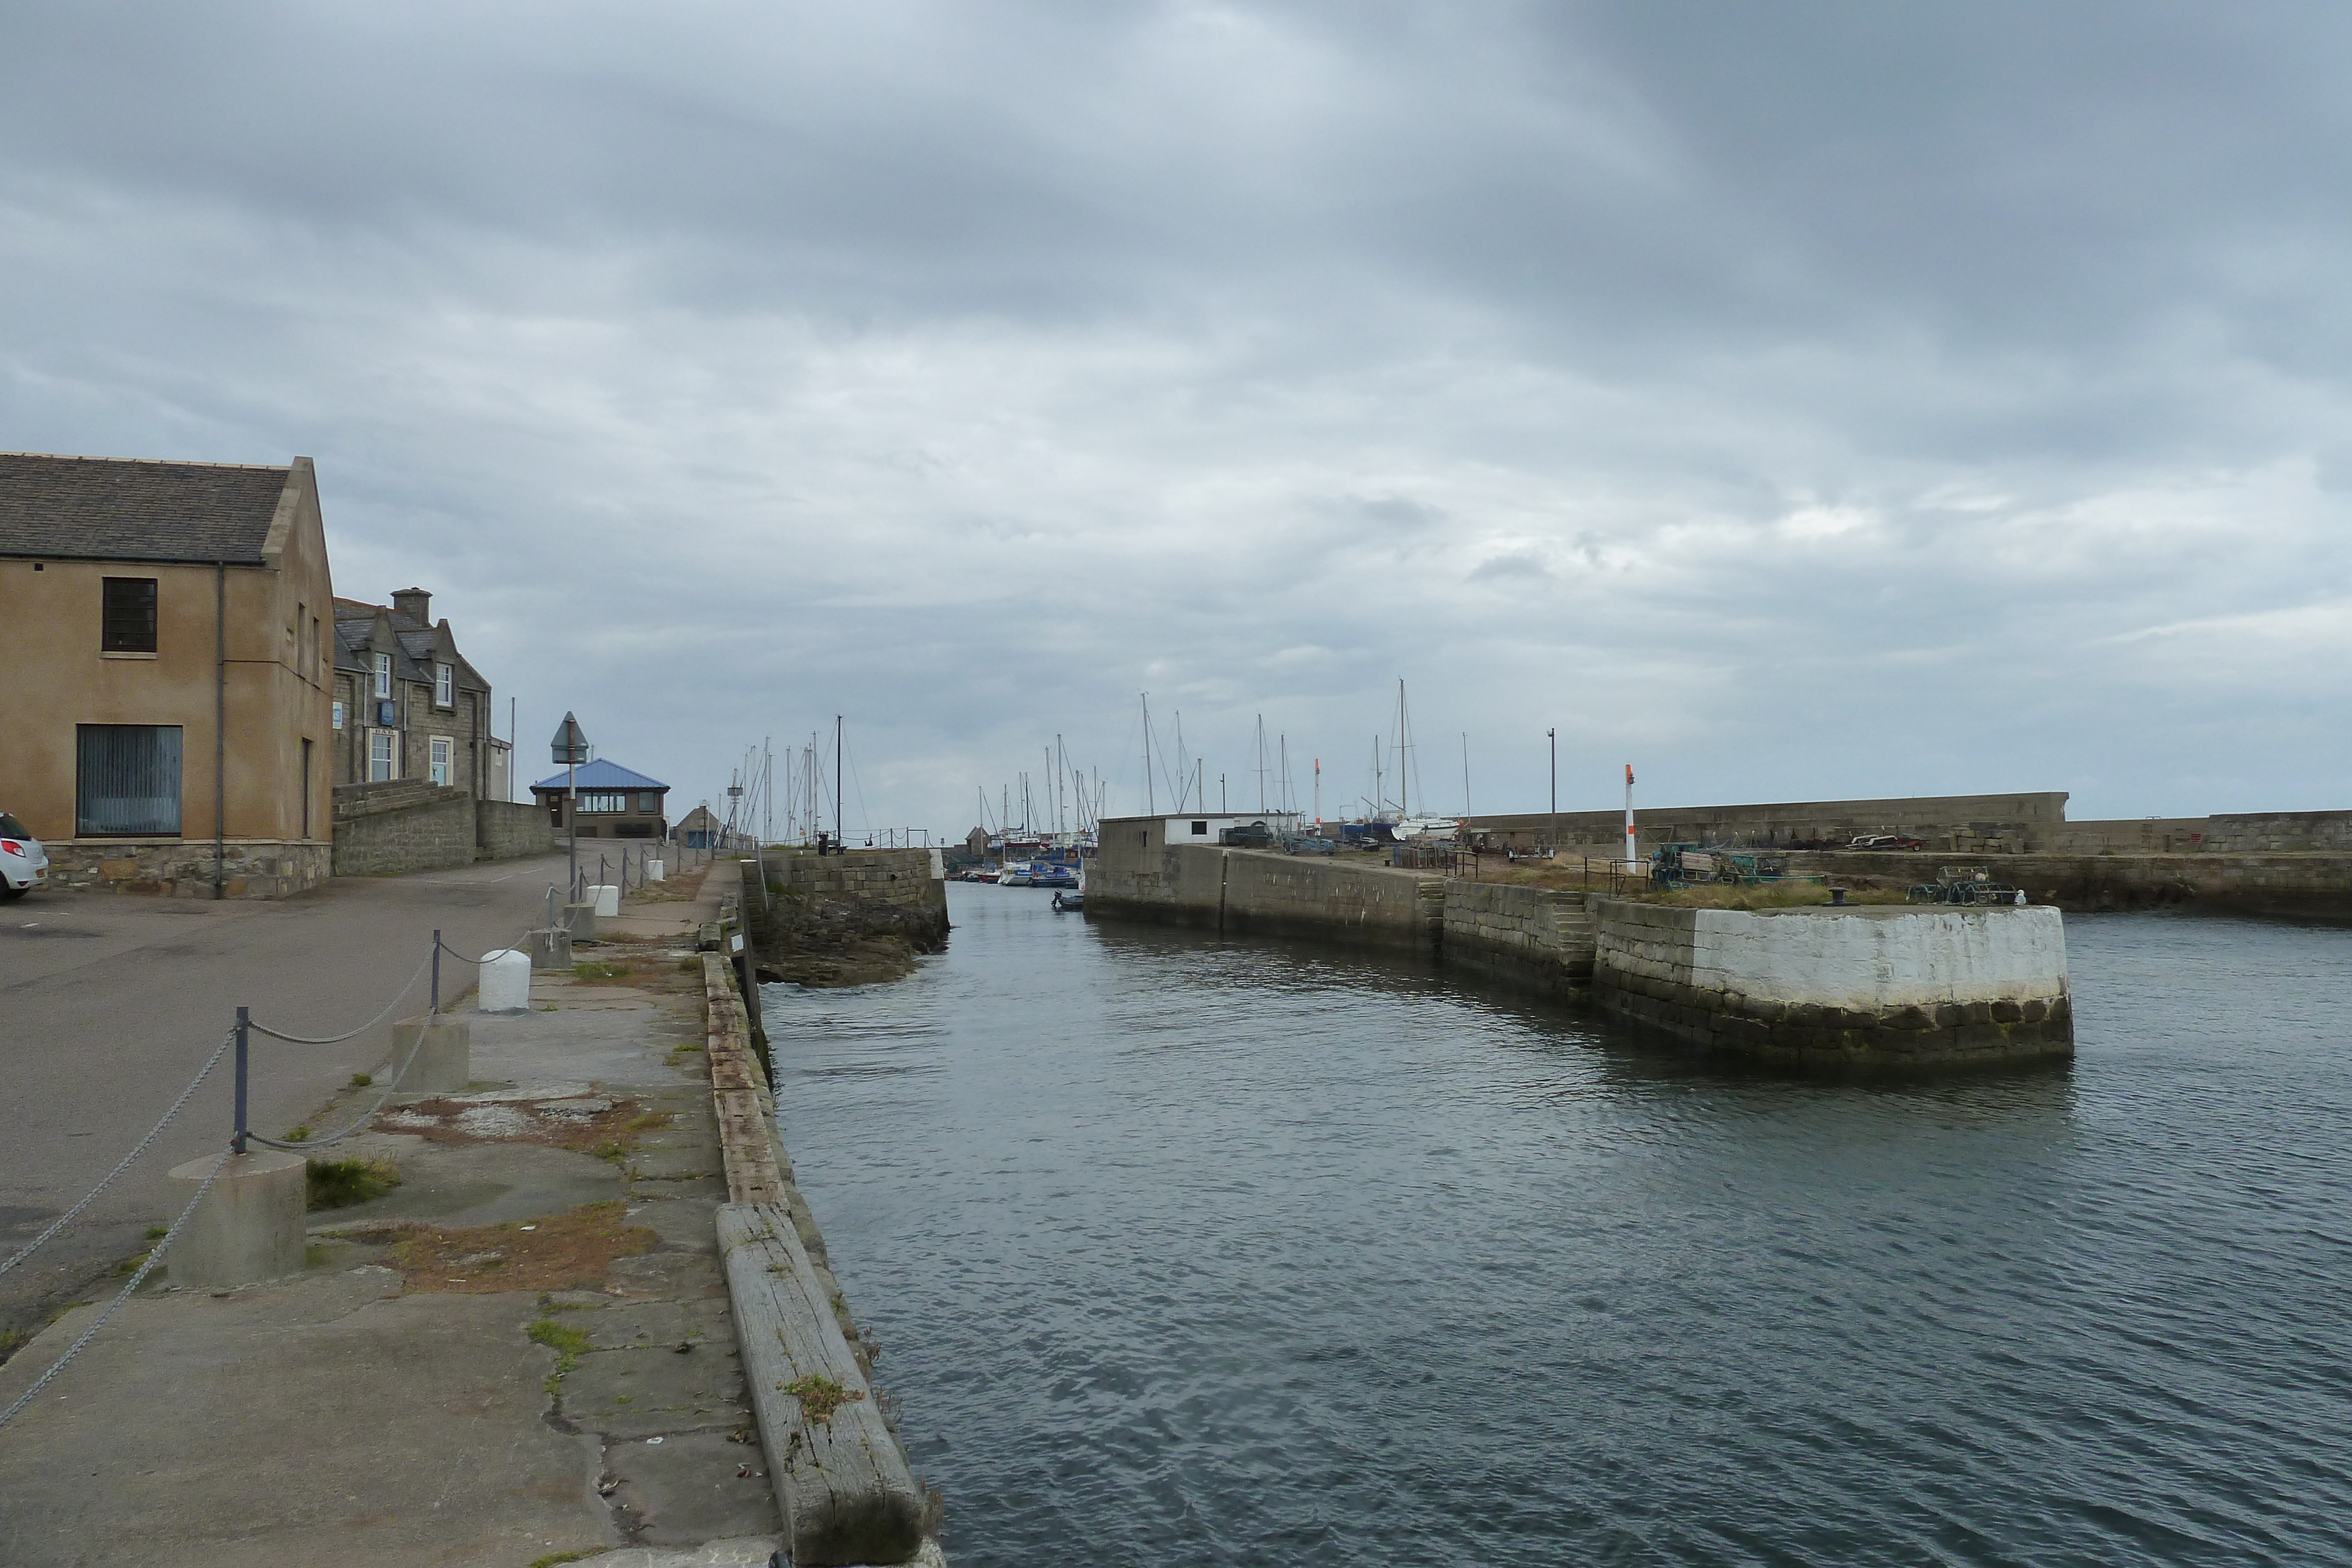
{"x":111,"y":1002}
{"x":523,"y":1349}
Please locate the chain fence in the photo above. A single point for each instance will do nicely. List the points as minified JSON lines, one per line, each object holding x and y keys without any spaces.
{"x":238,"y":1040}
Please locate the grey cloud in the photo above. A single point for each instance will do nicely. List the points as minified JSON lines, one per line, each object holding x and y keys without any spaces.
{"x":969,"y":371}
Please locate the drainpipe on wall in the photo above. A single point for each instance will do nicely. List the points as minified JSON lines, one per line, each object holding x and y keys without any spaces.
{"x":220,"y":724}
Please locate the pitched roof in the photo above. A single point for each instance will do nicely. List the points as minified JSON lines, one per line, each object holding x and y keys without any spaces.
{"x":117,"y":508}
{"x":603,"y":775}
{"x":414,"y":658}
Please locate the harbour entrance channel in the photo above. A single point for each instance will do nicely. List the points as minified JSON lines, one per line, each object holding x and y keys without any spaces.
{"x":1184,"y":1250}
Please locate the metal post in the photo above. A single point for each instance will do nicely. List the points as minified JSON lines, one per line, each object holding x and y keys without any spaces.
{"x":1551,"y":831}
{"x":436,"y":974}
{"x":244,"y":1028}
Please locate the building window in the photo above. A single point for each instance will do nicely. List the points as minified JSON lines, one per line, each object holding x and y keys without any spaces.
{"x":339,"y":712}
{"x":380,"y":756}
{"x":604,"y":803}
{"x":1201,"y":827}
{"x":438,"y":750}
{"x":127,"y":779}
{"x":445,"y":687}
{"x":127,"y":619}
{"x":383,"y":675}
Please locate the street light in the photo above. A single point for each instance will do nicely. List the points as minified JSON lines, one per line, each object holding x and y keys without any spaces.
{"x":570,"y":748}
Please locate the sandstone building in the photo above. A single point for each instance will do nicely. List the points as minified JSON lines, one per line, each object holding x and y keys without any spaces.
{"x":168,"y":633}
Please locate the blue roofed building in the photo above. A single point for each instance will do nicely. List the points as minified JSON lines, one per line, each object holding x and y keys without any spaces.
{"x":614,"y":802}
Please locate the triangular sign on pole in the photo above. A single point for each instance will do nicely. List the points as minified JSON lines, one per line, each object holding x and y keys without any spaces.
{"x":570,"y":745}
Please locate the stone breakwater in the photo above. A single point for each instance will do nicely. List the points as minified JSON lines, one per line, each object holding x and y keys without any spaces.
{"x":1841,"y":986}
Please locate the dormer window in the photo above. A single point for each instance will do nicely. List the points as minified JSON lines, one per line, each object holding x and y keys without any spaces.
{"x":383,"y":675}
{"x":445,"y":687}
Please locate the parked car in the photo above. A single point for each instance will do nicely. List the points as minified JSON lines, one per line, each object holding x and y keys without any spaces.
{"x":24,"y":863}
{"x":1247,"y":836}
{"x":1886,"y":842}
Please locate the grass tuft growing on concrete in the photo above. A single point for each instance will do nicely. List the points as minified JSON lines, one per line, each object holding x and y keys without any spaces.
{"x":819,"y":1395}
{"x":339,"y":1184}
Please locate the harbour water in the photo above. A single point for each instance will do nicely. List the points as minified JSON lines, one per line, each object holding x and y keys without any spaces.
{"x":1191,"y":1252}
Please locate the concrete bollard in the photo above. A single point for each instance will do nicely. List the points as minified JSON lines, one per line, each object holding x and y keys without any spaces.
{"x":250,"y":1227}
{"x":582,"y":919}
{"x":606,"y":898}
{"x":552,"y":949}
{"x":655,"y":870}
{"x":444,"y":1062}
{"x":505,"y":986}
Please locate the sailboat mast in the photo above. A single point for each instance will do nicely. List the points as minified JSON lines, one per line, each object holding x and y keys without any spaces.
{"x":1261,"y":762}
{"x":1151,"y":796}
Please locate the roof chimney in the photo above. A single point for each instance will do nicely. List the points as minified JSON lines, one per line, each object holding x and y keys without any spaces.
{"x":414,"y":603}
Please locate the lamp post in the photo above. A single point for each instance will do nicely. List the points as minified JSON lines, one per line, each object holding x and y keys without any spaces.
{"x":570,"y":748}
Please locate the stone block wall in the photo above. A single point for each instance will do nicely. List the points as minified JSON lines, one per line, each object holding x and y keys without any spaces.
{"x":820,"y":912}
{"x":383,"y":830}
{"x":511,"y":830}
{"x":1542,"y":935}
{"x":183,"y":868}
{"x":890,"y":878}
{"x":1876,"y":986}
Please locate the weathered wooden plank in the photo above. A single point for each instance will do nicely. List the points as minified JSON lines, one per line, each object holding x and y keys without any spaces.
{"x":842,"y":1483}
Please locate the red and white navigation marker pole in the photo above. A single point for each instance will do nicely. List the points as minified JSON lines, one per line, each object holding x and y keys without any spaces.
{"x":1633,"y":846}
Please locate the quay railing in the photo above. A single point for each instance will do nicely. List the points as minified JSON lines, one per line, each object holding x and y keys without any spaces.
{"x":637,"y":851}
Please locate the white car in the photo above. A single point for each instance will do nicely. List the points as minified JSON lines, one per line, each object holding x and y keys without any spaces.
{"x":24,"y":863}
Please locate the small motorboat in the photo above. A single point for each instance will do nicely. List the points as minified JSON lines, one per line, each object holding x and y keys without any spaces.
{"x":1072,"y":901}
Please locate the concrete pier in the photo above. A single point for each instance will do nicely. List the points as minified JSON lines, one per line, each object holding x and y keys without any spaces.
{"x":250,"y":1227}
{"x":1884,"y":984}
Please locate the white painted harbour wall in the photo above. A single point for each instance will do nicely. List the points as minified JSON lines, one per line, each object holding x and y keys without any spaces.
{"x":1881,"y":957}
{"x":1895,"y":985}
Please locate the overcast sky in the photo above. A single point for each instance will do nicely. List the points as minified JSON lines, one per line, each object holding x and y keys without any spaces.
{"x":1797,"y":401}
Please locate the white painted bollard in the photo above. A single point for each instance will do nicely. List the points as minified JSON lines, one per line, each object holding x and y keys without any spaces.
{"x":439,"y":1051}
{"x":607,"y":897}
{"x":505,"y":982}
{"x":654,"y":870}
{"x":250,"y":1227}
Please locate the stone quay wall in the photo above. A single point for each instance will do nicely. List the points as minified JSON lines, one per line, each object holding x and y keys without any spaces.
{"x":2017,"y":822}
{"x":820,"y":902}
{"x":892,"y":878}
{"x":1862,"y":986}
{"x":1541,"y":935}
{"x":2291,"y":886}
{"x":1267,"y":892}
{"x":1136,"y":875}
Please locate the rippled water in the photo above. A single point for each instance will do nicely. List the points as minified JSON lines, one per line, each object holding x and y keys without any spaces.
{"x":1189,"y":1252}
